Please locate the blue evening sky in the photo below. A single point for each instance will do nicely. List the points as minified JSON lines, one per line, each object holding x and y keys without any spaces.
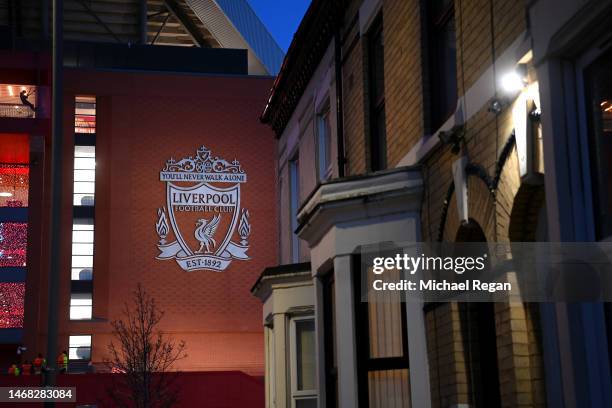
{"x":281,"y":17}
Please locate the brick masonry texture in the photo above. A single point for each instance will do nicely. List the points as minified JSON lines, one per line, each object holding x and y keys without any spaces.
{"x":144,"y":120}
{"x":484,"y":30}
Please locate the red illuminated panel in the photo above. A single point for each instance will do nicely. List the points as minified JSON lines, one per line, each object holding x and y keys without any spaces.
{"x":13,"y":243}
{"x":14,"y":185}
{"x":11,"y":305}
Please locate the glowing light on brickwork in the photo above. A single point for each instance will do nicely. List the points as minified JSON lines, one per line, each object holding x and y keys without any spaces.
{"x":14,"y":185}
{"x":11,"y":305}
{"x":13,"y":244}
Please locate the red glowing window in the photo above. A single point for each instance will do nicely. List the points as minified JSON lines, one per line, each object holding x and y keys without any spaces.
{"x":14,"y":169}
{"x":13,"y":243}
{"x":14,"y":185}
{"x":11,"y":305}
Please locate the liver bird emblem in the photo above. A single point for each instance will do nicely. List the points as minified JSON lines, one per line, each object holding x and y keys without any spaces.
{"x":204,"y":233}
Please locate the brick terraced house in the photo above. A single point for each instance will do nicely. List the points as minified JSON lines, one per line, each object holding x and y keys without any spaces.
{"x":436,"y":121}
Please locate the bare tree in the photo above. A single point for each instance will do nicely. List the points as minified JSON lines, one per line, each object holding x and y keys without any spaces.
{"x":144,"y":357}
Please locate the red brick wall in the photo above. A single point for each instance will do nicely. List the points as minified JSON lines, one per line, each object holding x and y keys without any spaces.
{"x":144,"y":120}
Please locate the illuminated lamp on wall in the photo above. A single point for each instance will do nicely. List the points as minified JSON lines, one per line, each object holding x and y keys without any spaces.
{"x":511,"y":83}
{"x":515,"y":80}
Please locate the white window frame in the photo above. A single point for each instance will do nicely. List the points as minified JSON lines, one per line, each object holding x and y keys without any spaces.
{"x":295,"y":393}
{"x":271,"y":364}
{"x":294,"y":204}
{"x":324,"y":139}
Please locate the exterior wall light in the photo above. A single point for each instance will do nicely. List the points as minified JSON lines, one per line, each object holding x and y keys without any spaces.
{"x":5,"y":194}
{"x":514,"y":81}
{"x":453,"y":138}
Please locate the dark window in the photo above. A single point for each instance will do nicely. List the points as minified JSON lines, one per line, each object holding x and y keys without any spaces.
{"x":324,"y":140}
{"x":376,"y":62}
{"x":598,"y":83}
{"x":294,"y":203}
{"x":599,"y":98}
{"x":382,"y":344}
{"x":442,"y":61}
{"x":478,"y":332}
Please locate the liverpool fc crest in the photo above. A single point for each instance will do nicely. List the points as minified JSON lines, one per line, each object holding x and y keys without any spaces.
{"x":203,"y":213}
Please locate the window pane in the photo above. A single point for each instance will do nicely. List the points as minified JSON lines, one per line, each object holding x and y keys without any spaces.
{"x":83,"y":224}
{"x":306,"y":403}
{"x":82,"y":261}
{"x":82,"y":249}
{"x":79,"y":353}
{"x":599,"y":83}
{"x":385,"y":319}
{"x":324,"y":145}
{"x":305,"y":349}
{"x":377,"y":64}
{"x":80,"y":306}
{"x":80,"y":341}
{"x":85,"y":114}
{"x":82,"y":236}
{"x":14,"y":185}
{"x":80,"y":348}
{"x":13,"y":243}
{"x":17,"y":101}
{"x":294,"y":201}
{"x":84,"y":175}
{"x":84,"y":151}
{"x":83,"y":274}
{"x":82,"y":187}
{"x":84,"y":163}
{"x":443,"y":72}
{"x":389,"y":389}
{"x":377,"y":137}
{"x":84,"y":199}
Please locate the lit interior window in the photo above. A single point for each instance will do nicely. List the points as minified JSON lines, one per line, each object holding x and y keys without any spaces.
{"x":84,"y":175}
{"x":81,"y":305}
{"x":82,"y":249}
{"x":17,"y":101}
{"x":79,"y":347}
{"x":85,"y":114}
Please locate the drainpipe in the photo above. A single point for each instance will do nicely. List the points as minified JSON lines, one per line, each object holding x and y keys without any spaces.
{"x":56,"y":196}
{"x":339,"y":100}
{"x":143,"y":21}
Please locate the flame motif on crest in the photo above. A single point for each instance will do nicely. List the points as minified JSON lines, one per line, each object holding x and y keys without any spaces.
{"x":244,"y":228}
{"x":162,"y":225}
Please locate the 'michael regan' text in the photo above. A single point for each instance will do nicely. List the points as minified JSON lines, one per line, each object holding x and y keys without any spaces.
{"x":433,"y":285}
